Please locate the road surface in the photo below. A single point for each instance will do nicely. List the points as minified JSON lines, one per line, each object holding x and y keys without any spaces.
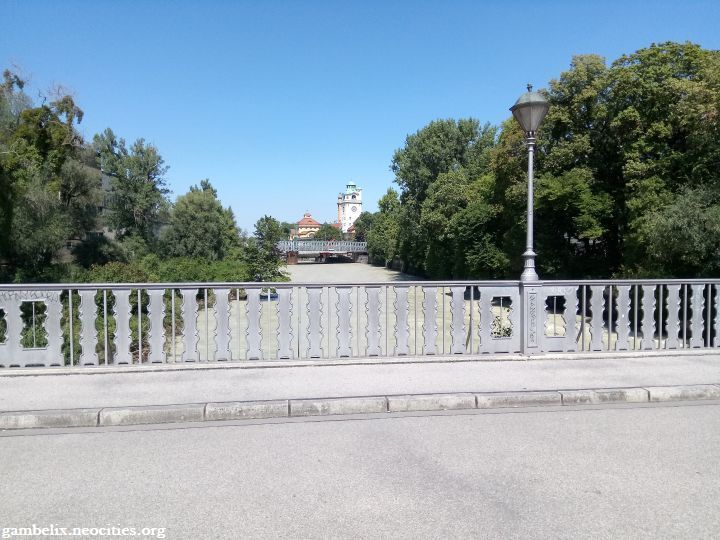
{"x":612,"y":472}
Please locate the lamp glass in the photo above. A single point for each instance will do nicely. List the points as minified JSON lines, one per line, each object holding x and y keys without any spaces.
{"x":530,"y":110}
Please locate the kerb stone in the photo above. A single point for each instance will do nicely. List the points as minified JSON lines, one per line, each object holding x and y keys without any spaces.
{"x":431,"y":402}
{"x":240,"y":410}
{"x":517,"y":399}
{"x":161,"y":414}
{"x":604,"y":395}
{"x":60,"y":418}
{"x":356,"y":405}
{"x":683,"y":393}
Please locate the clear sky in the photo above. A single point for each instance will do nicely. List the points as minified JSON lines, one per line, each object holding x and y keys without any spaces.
{"x":281,"y":103}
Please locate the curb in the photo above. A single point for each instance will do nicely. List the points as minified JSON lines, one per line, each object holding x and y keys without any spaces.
{"x":358,"y":361}
{"x":295,"y":408}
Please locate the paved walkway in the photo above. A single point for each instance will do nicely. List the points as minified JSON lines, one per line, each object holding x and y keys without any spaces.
{"x":139,"y":388}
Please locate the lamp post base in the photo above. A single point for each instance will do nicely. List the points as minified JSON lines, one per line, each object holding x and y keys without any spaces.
{"x":529,"y":273}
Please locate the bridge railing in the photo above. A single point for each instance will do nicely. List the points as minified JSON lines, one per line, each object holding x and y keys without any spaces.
{"x":125,"y":324}
{"x":322,"y":246}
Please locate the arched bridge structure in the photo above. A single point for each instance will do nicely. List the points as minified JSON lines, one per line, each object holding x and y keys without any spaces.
{"x":322,"y":250}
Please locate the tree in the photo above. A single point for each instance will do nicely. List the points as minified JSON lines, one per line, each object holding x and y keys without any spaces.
{"x":382,"y":239}
{"x":261,"y":253}
{"x":139,"y":197}
{"x":362,"y":225}
{"x":440,"y":147}
{"x":199,"y":227}
{"x":47,"y":194}
{"x":328,"y":232}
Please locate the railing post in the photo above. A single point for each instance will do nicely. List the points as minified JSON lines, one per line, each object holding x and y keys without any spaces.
{"x":531,"y":317}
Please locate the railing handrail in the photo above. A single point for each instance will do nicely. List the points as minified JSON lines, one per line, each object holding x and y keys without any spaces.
{"x":249,"y":285}
{"x":289,"y":284}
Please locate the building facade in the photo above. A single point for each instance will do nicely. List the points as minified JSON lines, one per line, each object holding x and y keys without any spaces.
{"x":349,"y":206}
{"x":306,"y":227}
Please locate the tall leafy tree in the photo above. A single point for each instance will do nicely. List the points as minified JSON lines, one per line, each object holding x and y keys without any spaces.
{"x":199,"y":227}
{"x":382,"y":238}
{"x":328,"y":232}
{"x":49,"y":195}
{"x":138,"y":198}
{"x":261,"y":252}
{"x":441,"y":147}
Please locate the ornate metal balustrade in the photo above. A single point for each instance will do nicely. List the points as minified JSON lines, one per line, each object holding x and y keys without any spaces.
{"x":322,"y":246}
{"x":98,"y":324}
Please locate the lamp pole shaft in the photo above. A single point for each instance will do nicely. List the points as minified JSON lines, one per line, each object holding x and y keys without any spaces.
{"x":529,"y":273}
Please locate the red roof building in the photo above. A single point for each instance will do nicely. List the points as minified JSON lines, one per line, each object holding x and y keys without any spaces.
{"x":307,"y":226}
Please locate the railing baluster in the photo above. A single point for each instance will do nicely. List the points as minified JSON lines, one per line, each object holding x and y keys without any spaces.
{"x":33,"y":325}
{"x":254,"y":330}
{"x":189,"y":314}
{"x":139,"y":323}
{"x":122,"y":327}
{"x":442,"y":299}
{"x":648,"y":320}
{"x":457,"y":323}
{"x":207,"y":325}
{"x":72,"y":332}
{"x":221,"y":349}
{"x":314,"y":311}
{"x":471,"y":333}
{"x":156,"y":332}
{"x":105,"y":326}
{"x":623,"y":322}
{"x":610,"y":304}
{"x":698,"y":303}
{"x":708,"y":325}
{"x":344,"y":330}
{"x":583,"y":315}
{"x":716,"y":339}
{"x":172,"y":324}
{"x":429,"y":320}
{"x":673,"y":321}
{"x":684,"y":320}
{"x":372,"y":308}
{"x":88,"y":333}
{"x":660,"y":310}
{"x":285,"y":332}
{"x":596,"y":323}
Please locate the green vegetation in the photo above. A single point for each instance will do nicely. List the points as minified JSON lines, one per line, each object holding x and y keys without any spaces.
{"x":72,"y":211}
{"x":328,"y":232}
{"x":627,"y":171}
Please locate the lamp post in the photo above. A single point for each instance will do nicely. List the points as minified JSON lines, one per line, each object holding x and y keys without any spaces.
{"x":529,"y":111}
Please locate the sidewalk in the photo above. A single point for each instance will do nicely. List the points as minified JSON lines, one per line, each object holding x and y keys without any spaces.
{"x":67,"y":390}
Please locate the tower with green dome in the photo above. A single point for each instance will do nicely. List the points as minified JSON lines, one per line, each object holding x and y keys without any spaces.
{"x":349,"y":205}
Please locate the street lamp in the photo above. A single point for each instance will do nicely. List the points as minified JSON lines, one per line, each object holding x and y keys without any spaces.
{"x":530,"y":110}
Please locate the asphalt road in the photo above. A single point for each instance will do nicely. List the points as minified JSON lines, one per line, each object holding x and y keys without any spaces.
{"x":612,"y":472}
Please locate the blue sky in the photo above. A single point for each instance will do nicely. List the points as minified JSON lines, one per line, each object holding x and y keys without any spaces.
{"x":281,"y":103}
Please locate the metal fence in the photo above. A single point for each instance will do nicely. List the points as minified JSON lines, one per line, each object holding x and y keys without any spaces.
{"x":124,"y":324}
{"x":322,"y":246}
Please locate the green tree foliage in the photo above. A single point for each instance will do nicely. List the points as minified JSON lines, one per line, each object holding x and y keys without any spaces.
{"x":138,"y":198}
{"x":362,"y":225}
{"x":261,"y":253}
{"x":442,"y":147}
{"x":630,"y":139}
{"x":382,"y":238}
{"x":199,"y":227}
{"x":51,"y":194}
{"x":48,"y":195}
{"x":627,"y":172}
{"x":328,"y":232}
